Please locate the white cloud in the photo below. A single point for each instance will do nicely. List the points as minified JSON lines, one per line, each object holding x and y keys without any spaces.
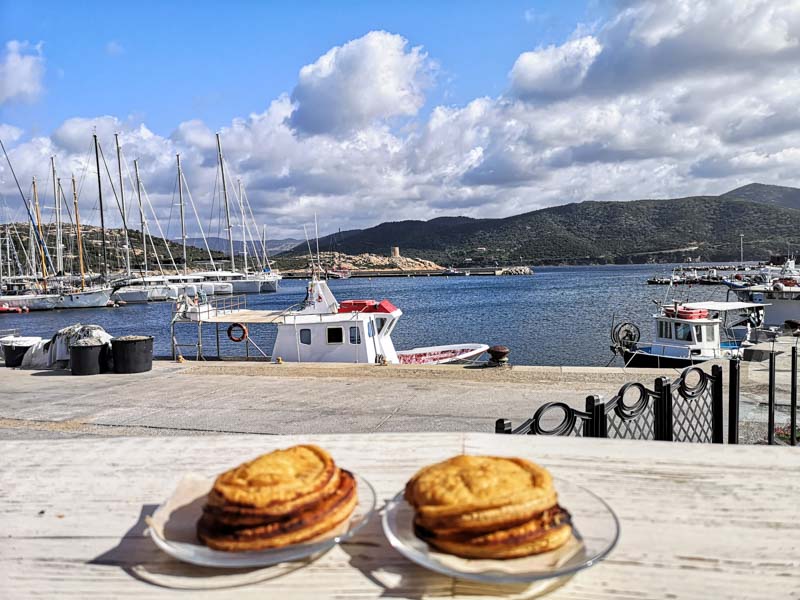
{"x":9,"y":134}
{"x":354,"y":85}
{"x":114,"y":48}
{"x":642,"y":105}
{"x":554,"y":71}
{"x":21,"y":72}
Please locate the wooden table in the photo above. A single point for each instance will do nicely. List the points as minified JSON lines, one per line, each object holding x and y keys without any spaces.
{"x":697,"y":521}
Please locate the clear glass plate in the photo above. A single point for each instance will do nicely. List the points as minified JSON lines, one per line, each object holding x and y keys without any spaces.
{"x":595,"y":528}
{"x":188,"y":549}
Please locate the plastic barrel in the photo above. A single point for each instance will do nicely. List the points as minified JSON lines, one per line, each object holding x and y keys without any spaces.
{"x":14,"y":353}
{"x":86,"y":360}
{"x":132,"y":353}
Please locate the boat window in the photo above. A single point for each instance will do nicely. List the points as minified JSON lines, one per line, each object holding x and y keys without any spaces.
{"x":370,"y":329}
{"x":336,"y":335}
{"x":305,"y":336}
{"x":683,"y":332}
{"x":698,"y":333}
{"x":665,"y":329}
{"x":355,"y":335}
{"x":381,"y":323}
{"x":711,"y":334}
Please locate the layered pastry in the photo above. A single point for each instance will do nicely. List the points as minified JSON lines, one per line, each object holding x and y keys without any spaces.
{"x":487,"y":507}
{"x":280,"y":498}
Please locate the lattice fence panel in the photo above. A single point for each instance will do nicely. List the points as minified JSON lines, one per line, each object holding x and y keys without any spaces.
{"x":640,"y":427}
{"x":691,"y":417}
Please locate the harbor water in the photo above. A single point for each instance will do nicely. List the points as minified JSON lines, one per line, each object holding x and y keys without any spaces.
{"x":559,"y":316}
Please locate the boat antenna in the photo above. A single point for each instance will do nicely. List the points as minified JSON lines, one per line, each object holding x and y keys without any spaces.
{"x":310,"y":253}
{"x":316,"y":233}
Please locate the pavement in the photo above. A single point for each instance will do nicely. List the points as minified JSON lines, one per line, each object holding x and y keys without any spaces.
{"x":229,"y":397}
{"x":240,"y":397}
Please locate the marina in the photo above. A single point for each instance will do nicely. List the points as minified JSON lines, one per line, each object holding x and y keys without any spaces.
{"x":355,"y":300}
{"x":484,"y":308}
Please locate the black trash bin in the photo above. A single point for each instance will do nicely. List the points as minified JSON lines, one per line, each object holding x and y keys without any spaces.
{"x":14,"y":350}
{"x":132,"y":353}
{"x":87,"y":357}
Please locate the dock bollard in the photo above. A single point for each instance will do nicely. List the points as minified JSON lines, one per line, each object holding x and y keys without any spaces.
{"x":499,"y":356}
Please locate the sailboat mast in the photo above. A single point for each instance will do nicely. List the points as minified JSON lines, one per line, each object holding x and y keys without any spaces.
{"x":102,"y":216}
{"x":141,"y":213}
{"x":244,"y":235}
{"x":31,"y":250}
{"x":41,"y":237}
{"x":264,"y":246}
{"x":227,"y":208}
{"x":122,"y":205}
{"x":78,"y":231}
{"x":183,"y":222}
{"x":59,"y":233}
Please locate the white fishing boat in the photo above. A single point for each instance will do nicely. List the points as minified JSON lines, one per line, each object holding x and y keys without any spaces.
{"x":321,"y":329}
{"x":781,"y":295}
{"x":689,"y":333}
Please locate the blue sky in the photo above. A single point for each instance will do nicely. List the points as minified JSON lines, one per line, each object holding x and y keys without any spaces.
{"x":167,"y":62}
{"x":363,"y":112}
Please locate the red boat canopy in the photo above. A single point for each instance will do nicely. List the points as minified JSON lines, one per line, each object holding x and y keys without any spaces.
{"x":366,"y":306}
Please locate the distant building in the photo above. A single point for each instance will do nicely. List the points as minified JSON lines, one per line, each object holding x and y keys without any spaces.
{"x":395,"y":251}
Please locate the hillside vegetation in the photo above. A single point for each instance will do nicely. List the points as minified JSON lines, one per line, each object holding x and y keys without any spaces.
{"x":599,"y":232}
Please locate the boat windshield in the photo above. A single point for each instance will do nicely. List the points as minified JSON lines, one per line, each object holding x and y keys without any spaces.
{"x":683,"y":332}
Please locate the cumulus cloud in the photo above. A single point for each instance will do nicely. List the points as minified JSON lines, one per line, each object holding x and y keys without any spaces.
{"x":9,"y":134}
{"x":661,"y":100}
{"x":351,"y":86}
{"x":554,"y":71}
{"x":21,"y":72}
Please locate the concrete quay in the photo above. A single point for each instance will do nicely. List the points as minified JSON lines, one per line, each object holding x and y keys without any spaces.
{"x":239,"y":397}
{"x":202,"y":398}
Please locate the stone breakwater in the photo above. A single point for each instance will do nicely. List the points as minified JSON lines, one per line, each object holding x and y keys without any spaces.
{"x":516,"y":271}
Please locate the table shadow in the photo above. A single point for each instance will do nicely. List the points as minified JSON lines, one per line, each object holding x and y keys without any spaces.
{"x":138,"y":556}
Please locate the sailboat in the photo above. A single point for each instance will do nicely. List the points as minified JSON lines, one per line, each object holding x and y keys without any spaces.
{"x":83,"y":296}
{"x":242,"y":282}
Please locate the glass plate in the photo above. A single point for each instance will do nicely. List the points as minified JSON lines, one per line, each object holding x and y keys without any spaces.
{"x":595,"y":528}
{"x":188,"y":549}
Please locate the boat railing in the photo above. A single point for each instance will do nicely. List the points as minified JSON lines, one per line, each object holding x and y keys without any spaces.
{"x":225,"y":305}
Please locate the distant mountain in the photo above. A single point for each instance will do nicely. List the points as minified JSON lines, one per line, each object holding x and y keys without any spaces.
{"x":598,"y":232}
{"x":776,"y":195}
{"x":221,"y":244}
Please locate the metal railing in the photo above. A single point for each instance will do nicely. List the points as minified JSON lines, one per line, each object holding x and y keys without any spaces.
{"x":688,"y":409}
{"x":772,"y":384}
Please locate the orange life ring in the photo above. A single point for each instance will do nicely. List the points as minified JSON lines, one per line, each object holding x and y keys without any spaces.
{"x":239,"y":338}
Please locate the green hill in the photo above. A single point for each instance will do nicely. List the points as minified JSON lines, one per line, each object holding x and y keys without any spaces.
{"x":598,"y":232}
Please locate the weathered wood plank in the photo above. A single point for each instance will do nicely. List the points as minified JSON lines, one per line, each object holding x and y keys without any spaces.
{"x":697,"y":521}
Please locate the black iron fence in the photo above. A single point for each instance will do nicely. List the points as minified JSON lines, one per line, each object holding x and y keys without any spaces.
{"x":787,"y":435}
{"x":688,"y":409}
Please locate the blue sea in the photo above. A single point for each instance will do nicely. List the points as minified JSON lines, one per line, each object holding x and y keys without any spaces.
{"x":559,"y":316}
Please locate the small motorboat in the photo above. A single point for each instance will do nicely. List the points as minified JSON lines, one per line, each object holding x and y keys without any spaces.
{"x":440,"y":355}
{"x":689,"y":333}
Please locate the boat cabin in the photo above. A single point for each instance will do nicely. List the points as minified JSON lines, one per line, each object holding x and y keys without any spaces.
{"x":701,"y":329}
{"x":325,"y":330}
